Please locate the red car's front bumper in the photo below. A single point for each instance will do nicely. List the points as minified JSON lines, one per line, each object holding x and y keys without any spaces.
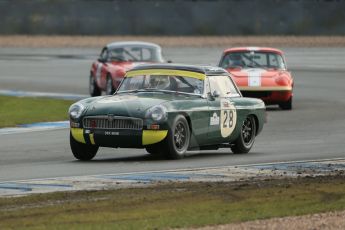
{"x":269,"y":97}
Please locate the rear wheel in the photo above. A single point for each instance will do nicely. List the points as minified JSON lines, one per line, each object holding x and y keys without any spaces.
{"x":245,"y":141}
{"x":286,"y":105}
{"x":93,"y":88}
{"x":109,"y":87}
{"x":83,"y":152}
{"x":178,"y":138}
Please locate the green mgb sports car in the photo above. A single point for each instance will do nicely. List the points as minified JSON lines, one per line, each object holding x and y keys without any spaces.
{"x":168,"y":109}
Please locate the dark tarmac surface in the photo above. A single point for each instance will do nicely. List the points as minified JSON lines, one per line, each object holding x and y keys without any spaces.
{"x":313,"y":130}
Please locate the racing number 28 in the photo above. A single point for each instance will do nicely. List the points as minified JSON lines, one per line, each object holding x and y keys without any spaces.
{"x":229,"y":119}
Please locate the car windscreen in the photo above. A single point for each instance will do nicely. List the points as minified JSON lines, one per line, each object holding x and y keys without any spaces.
{"x":170,"y":83}
{"x":134,"y":54}
{"x":252,"y":59}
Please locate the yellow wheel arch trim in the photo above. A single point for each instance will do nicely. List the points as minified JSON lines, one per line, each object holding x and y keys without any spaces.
{"x":78,"y":135}
{"x":153,"y":136}
{"x":182,"y":73}
{"x":92,"y":139}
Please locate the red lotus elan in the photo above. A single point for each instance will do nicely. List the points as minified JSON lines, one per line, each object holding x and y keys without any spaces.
{"x":115,"y":59}
{"x":260,"y":72}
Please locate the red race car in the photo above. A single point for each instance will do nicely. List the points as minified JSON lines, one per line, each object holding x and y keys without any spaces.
{"x":115,"y":59}
{"x":261,"y":73}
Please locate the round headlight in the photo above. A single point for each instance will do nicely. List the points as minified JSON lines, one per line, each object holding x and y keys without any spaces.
{"x":76,"y":110}
{"x":157,"y":113}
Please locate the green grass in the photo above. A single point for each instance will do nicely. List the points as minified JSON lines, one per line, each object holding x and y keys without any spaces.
{"x":174,"y":205}
{"x":23,"y":110}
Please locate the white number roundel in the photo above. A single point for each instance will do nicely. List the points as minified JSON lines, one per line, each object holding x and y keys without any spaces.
{"x":228,"y":117}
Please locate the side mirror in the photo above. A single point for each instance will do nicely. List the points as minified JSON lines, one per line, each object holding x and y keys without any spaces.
{"x":212,"y":96}
{"x":215,"y":94}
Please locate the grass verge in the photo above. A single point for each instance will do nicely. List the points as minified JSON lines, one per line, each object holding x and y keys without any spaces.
{"x":174,"y":205}
{"x":24,"y":110}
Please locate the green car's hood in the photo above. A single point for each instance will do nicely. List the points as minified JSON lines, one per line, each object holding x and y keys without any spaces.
{"x":131,"y":105}
{"x":248,"y":102}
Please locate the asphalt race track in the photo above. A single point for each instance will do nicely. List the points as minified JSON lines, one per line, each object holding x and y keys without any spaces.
{"x":314,"y":129}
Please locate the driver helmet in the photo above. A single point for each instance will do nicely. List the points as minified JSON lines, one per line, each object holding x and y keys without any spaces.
{"x":159,"y":82}
{"x":236,"y":59}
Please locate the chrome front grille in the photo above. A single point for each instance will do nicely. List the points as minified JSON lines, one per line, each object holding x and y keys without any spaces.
{"x":112,"y":122}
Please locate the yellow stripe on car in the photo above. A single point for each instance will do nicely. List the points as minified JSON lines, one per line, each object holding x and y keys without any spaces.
{"x":181,"y":73}
{"x":92,"y":139}
{"x":153,"y":136}
{"x":78,"y":135}
{"x":149,"y":136}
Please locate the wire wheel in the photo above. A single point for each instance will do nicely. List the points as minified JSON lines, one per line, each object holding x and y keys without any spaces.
{"x":177,"y":141}
{"x":180,"y":135}
{"x":246,"y":139}
{"x":248,"y":131}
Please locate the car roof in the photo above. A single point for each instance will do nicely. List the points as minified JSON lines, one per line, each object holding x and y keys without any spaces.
{"x":250,"y":48}
{"x":132,"y":43}
{"x":207,"y":70}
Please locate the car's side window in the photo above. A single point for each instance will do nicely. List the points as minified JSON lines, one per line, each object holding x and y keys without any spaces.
{"x":214,"y":86}
{"x":225,"y":62}
{"x":207,"y":86}
{"x":273,"y":61}
{"x":281,"y":62}
{"x":223,"y":85}
{"x":276,"y":61}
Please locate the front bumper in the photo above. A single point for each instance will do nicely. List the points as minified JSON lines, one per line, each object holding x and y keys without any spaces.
{"x":269,"y":96}
{"x":118,"y":138}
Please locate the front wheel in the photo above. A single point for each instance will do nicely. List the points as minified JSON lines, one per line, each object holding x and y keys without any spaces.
{"x":245,"y":141}
{"x":109,"y":87}
{"x":83,"y":152}
{"x":178,"y":138}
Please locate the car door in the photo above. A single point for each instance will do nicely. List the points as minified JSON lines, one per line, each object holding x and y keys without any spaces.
{"x":222,"y":112}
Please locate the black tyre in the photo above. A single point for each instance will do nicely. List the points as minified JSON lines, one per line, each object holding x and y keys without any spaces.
{"x":109,"y":90}
{"x":286,"y":105}
{"x":155,"y":149}
{"x":83,"y":152}
{"x":93,"y":88}
{"x":245,"y":141}
{"x":177,"y":141}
